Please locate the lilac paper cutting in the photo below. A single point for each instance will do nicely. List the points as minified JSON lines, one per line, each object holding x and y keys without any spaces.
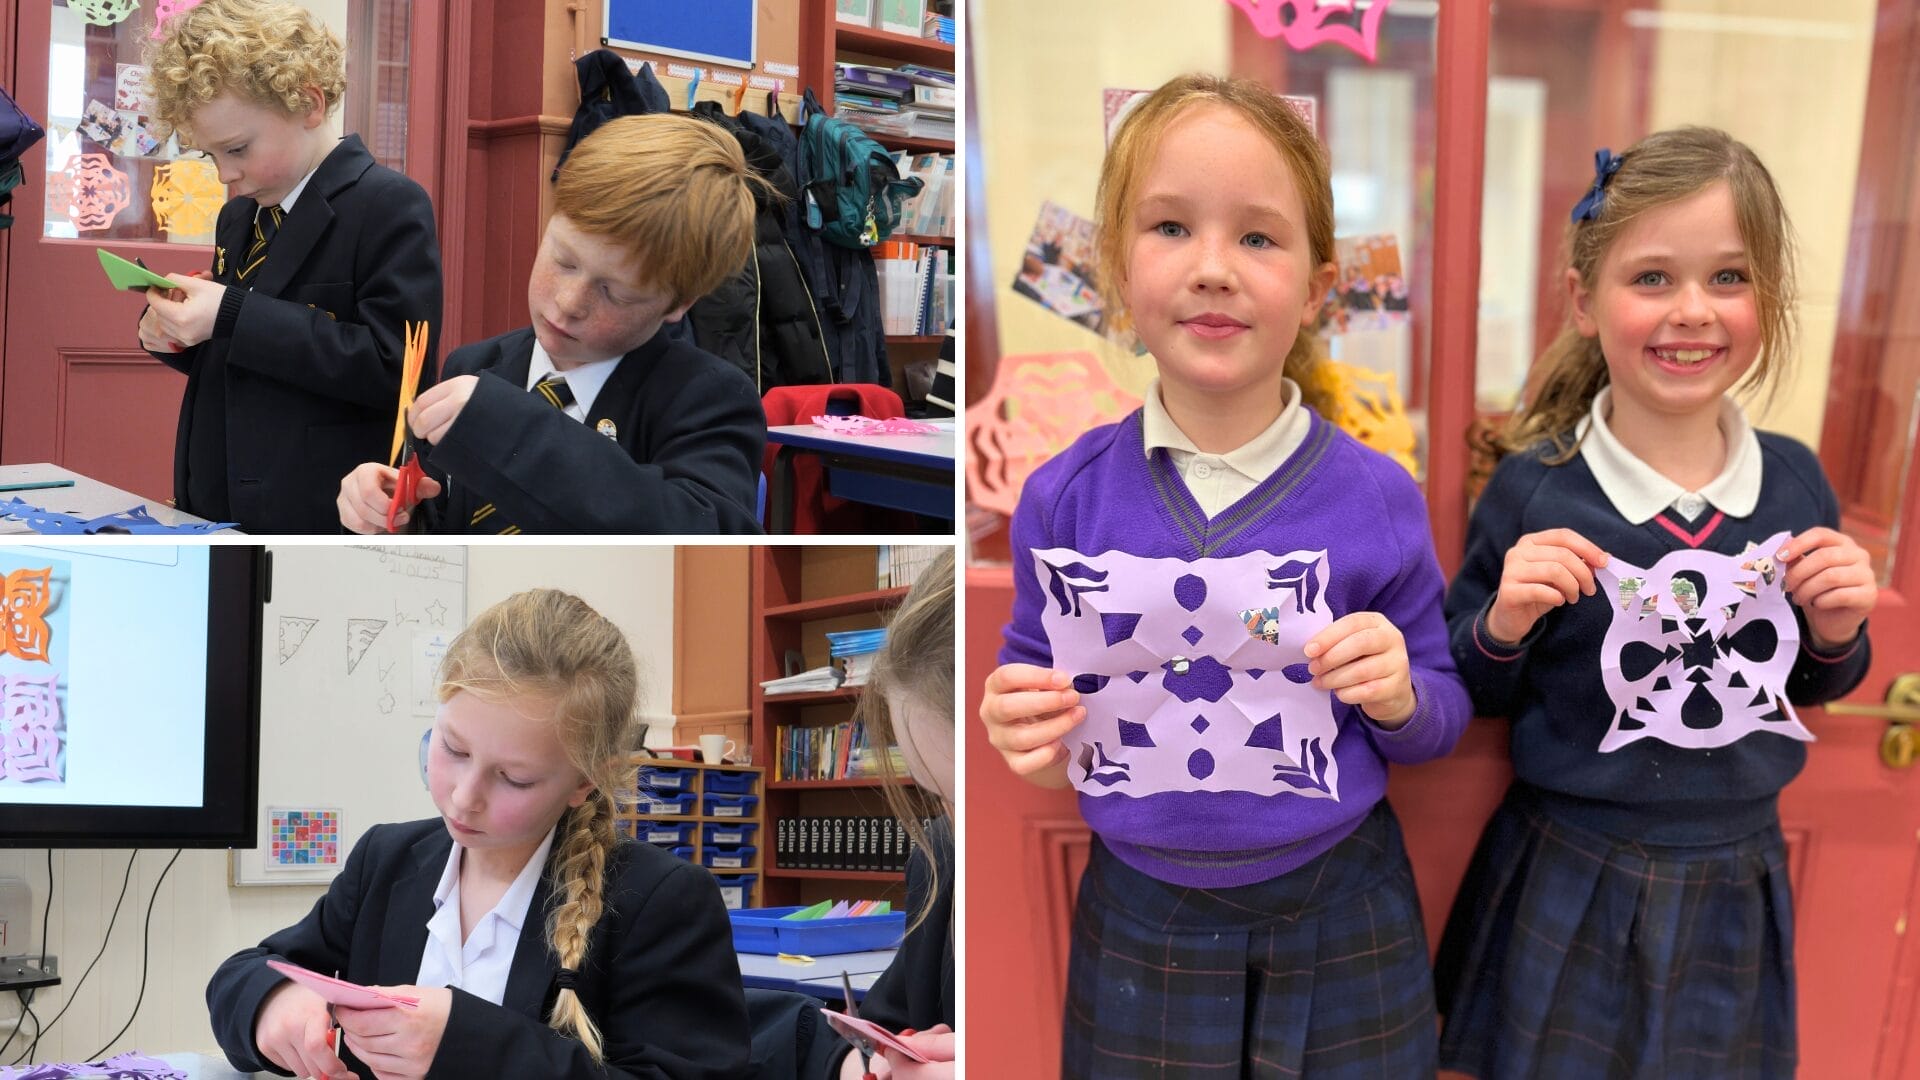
{"x":1699,"y":649}
{"x":1193,"y":673}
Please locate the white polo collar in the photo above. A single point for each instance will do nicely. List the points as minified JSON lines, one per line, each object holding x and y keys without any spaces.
{"x":1638,"y":492}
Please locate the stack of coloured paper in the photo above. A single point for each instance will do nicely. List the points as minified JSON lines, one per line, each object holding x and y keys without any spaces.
{"x":841,"y":909}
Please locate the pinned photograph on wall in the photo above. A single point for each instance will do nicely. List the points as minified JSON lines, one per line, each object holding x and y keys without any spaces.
{"x":303,"y":837}
{"x":1116,"y":104}
{"x":1057,"y":271}
{"x":1189,"y":682}
{"x":33,"y":670}
{"x":100,"y":124}
{"x":135,"y":137}
{"x":1699,"y":649}
{"x":1371,"y":291}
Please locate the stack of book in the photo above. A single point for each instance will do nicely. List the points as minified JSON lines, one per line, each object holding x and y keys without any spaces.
{"x":930,"y":213}
{"x":817,"y":680}
{"x":937,"y":27}
{"x":911,"y":100}
{"x":829,"y":752}
{"x":862,"y":844}
{"x":916,"y":288}
{"x":900,"y":564}
{"x":853,"y":652}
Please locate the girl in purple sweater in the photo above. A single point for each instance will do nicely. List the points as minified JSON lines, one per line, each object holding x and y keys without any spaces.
{"x":1247,"y":607}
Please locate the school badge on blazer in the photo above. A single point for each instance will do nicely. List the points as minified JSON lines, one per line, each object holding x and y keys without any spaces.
{"x":219,"y":260}
{"x":607,"y":428}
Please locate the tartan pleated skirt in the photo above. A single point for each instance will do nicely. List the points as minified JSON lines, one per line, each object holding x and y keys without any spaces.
{"x":1321,"y":972}
{"x":1573,"y":954}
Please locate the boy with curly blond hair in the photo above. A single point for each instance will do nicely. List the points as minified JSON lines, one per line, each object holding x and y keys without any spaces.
{"x":292,"y":345}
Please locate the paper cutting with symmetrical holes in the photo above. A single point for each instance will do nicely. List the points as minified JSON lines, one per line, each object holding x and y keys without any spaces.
{"x":1193,"y":673}
{"x":27,"y":596}
{"x":30,"y":717}
{"x":1699,"y":648}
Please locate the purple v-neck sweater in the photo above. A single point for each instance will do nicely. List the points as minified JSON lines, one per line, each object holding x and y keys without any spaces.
{"x":1105,"y":494}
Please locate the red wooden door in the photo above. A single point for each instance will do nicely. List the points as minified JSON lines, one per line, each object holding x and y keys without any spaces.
{"x":76,"y":388}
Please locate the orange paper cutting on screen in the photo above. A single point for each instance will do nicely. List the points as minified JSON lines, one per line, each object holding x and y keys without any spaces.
{"x":27,"y":597}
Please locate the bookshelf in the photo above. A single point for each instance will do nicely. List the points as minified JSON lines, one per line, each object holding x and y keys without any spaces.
{"x":798,"y":594}
{"x":695,"y":830}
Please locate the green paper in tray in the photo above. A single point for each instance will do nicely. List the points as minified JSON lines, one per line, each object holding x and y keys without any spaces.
{"x":813,"y":912}
{"x":130,"y":275}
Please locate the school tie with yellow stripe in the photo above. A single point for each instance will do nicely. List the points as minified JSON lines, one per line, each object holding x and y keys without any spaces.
{"x":266,"y":222}
{"x":557,"y":393}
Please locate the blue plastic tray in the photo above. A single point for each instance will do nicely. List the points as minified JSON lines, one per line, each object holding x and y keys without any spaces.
{"x":655,"y":805}
{"x":742,"y":833}
{"x":659,"y":779}
{"x":740,"y":806}
{"x":729,"y":858}
{"x":760,"y":930}
{"x":653,"y":832}
{"x":736,"y":889}
{"x":729,"y":783}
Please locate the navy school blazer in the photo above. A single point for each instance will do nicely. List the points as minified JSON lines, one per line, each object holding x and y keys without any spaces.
{"x":660,"y":980}
{"x":673,"y":445}
{"x":309,"y":363}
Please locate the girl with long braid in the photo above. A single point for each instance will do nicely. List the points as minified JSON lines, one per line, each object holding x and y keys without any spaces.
{"x":537,"y":943}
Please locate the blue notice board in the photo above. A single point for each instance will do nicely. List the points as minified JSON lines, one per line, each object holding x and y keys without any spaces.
{"x":717,"y":31}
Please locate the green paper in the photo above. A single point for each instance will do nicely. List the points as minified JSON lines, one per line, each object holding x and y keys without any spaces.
{"x":129,"y":275}
{"x":813,"y":912}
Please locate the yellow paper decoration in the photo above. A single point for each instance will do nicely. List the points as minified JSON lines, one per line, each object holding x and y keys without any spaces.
{"x":1370,"y":410}
{"x":187,"y":197}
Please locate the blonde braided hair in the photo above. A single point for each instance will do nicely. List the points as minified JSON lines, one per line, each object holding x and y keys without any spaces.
{"x":551,"y":647}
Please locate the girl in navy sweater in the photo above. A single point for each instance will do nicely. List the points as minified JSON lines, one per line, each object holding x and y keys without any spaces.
{"x":1627,"y":912}
{"x":1247,"y":904}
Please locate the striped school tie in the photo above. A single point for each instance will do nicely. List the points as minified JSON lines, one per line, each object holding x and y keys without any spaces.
{"x":266,"y":223}
{"x":557,"y":393}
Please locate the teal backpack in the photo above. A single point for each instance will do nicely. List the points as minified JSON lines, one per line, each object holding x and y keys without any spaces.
{"x":853,"y":189}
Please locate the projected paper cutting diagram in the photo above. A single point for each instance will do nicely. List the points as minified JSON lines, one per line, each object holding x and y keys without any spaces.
{"x":27,"y":598}
{"x":1699,"y":648}
{"x":1193,"y":674}
{"x":293,"y":634}
{"x":360,"y":635}
{"x":34,"y":740}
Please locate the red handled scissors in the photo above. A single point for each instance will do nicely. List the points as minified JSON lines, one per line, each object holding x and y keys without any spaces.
{"x":861,"y":1045}
{"x":405,"y":455}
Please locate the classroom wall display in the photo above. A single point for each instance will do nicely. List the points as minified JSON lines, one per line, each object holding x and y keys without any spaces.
{"x":353,"y":638}
{"x":718,"y":31}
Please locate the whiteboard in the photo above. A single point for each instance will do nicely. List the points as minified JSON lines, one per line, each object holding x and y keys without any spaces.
{"x":352,"y":637}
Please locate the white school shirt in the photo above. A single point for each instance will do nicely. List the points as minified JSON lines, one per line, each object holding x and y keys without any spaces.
{"x":1217,"y":481}
{"x":585,"y":381}
{"x":1639,"y":492}
{"x":480,"y":965}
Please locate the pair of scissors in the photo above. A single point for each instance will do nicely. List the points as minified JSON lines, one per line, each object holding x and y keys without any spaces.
{"x":861,"y":1044}
{"x":405,"y":455}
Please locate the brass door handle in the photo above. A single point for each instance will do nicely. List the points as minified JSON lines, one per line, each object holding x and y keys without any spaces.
{"x":1903,"y":702}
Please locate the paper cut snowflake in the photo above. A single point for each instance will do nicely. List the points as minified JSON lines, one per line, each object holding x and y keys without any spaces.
{"x":104,"y":12}
{"x":30,"y":706}
{"x":95,"y":192}
{"x":867,"y":425}
{"x":187,"y":197}
{"x":167,"y":9}
{"x":27,"y":597}
{"x":1193,"y":673}
{"x":1304,"y":24}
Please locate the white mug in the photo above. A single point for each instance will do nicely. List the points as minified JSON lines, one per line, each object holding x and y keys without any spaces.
{"x":715,"y":748}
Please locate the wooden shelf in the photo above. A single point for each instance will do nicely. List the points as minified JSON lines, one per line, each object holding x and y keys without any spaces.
{"x":901,"y":48}
{"x":915,"y":339}
{"x":913,"y":144}
{"x":830,"y":785}
{"x":817,"y":697}
{"x":702,"y":819}
{"x":832,"y":606}
{"x":924,"y":241}
{"x":836,"y":875}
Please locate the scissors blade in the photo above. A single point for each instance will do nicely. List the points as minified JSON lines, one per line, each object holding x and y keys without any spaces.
{"x":862,"y":1043}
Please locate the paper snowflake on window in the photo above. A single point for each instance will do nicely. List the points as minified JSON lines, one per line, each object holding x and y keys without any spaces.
{"x":167,"y":9}
{"x":187,"y":197}
{"x":105,"y":12}
{"x":93,"y":191}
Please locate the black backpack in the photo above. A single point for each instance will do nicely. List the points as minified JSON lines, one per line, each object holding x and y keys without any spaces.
{"x":18,"y":134}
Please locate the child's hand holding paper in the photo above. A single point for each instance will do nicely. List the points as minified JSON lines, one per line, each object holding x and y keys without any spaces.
{"x":292,"y":1032}
{"x":398,"y":1044}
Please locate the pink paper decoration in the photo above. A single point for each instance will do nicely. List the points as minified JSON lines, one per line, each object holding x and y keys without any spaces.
{"x":167,"y":9}
{"x":1304,"y":24}
{"x":1038,"y":404}
{"x":866,"y":425}
{"x":30,"y":708}
{"x":95,"y":192}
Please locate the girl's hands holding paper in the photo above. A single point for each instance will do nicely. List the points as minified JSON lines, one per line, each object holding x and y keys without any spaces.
{"x":399,"y":1044}
{"x":292,"y":1030}
{"x":184,"y":314}
{"x":936,"y":1044}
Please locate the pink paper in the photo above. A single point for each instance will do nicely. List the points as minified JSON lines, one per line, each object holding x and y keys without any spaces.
{"x":30,"y":711}
{"x":866,"y":425}
{"x":339,"y":991}
{"x":1699,"y":649}
{"x":1193,"y":674}
{"x":853,"y":1029}
{"x":1305,"y":24}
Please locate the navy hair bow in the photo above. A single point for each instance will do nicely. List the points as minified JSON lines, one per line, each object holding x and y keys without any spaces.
{"x":1604,"y":166}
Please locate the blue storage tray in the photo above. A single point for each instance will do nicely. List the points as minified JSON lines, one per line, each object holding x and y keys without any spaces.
{"x":652,"y":805}
{"x":740,"y":806}
{"x":654,"y":832}
{"x":760,"y":930}
{"x":729,"y":783}
{"x":736,"y":889}
{"x":684,"y":852}
{"x":665,"y":779}
{"x":717,"y":833}
{"x":729,"y":858}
